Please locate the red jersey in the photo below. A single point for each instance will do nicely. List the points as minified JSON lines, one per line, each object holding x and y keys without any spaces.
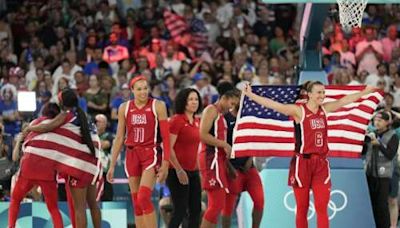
{"x":312,"y":132}
{"x":219,"y":131}
{"x":141,"y":124}
{"x":187,"y":141}
{"x":212,"y":159}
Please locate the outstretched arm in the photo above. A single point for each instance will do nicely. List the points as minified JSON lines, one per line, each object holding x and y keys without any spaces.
{"x":286,"y":109}
{"x":46,"y":127}
{"x":335,"y":105}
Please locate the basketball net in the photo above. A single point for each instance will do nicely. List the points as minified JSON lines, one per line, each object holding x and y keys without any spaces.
{"x":351,"y":13}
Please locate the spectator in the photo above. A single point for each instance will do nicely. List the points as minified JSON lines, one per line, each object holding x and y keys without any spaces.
{"x":172,"y":59}
{"x":247,"y":75}
{"x":65,"y":71}
{"x":263,"y":27}
{"x":97,"y":101}
{"x":114,"y":52}
{"x":373,"y":79}
{"x":278,"y":42}
{"x":347,"y":58}
{"x":369,"y":52}
{"x":134,"y":33}
{"x":159,"y":70}
{"x":390,"y":42}
{"x":81,"y":82}
{"x":9,"y":111}
{"x":106,"y":139}
{"x":116,"y":102}
{"x":263,"y":74}
{"x":106,"y":15}
{"x":372,"y":18}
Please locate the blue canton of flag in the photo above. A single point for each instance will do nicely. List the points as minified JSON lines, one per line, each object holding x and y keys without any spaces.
{"x":282,"y":94}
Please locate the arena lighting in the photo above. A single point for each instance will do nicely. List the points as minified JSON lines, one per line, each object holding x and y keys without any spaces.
{"x":26,"y":101}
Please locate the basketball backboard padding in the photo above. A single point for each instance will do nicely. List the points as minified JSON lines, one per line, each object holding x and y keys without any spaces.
{"x":313,"y":76}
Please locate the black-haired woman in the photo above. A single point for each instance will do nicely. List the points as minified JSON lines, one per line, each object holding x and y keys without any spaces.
{"x":82,"y":192}
{"x":184,"y":181}
{"x":33,"y":171}
{"x":214,"y":151}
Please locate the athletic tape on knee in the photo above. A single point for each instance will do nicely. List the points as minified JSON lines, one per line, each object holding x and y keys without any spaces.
{"x":144,"y":200}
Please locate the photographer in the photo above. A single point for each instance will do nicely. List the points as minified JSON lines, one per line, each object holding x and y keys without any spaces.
{"x":381,"y":148}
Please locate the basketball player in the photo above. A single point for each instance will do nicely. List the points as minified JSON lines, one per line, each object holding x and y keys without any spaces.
{"x":33,"y":171}
{"x":309,"y":168}
{"x":214,"y":152}
{"x":247,"y":179}
{"x":80,"y":189}
{"x":141,"y":119}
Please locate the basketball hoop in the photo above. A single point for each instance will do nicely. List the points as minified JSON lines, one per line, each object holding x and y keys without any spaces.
{"x":351,"y":13}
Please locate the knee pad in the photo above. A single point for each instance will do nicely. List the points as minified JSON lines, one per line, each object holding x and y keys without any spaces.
{"x":137,"y":210}
{"x":144,"y":200}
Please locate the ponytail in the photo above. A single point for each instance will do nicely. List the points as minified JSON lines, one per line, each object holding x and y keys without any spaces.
{"x":85,"y":132}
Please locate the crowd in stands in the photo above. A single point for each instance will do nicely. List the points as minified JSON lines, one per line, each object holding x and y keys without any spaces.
{"x":95,"y":47}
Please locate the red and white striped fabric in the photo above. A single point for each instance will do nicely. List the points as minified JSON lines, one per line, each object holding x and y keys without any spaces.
{"x":99,"y":188}
{"x":175,"y":24}
{"x":63,"y":150}
{"x":255,"y":135}
{"x":199,"y":41}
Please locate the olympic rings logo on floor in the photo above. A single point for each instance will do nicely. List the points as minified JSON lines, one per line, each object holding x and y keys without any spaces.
{"x":337,"y":202}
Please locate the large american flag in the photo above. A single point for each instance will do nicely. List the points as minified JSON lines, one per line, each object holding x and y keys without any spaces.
{"x":63,"y":150}
{"x":264,"y":132}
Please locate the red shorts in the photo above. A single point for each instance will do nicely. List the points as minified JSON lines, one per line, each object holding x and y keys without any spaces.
{"x":74,"y":182}
{"x":213,"y":175}
{"x":139,"y":159}
{"x":244,"y":181}
{"x":309,"y":171}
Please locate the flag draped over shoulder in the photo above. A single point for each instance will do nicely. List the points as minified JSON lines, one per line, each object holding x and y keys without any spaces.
{"x":263,"y":132}
{"x":63,"y":150}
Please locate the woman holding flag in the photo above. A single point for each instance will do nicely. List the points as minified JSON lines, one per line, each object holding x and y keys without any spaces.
{"x":140,"y":120}
{"x":309,"y":168}
{"x":81,"y":188}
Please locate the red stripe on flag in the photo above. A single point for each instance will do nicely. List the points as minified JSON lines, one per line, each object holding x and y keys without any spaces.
{"x":251,"y":125}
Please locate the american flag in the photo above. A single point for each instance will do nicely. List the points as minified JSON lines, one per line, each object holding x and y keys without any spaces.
{"x":264,"y":132}
{"x":63,"y":150}
{"x":175,"y":24}
{"x":199,"y":35}
{"x":178,"y":26}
